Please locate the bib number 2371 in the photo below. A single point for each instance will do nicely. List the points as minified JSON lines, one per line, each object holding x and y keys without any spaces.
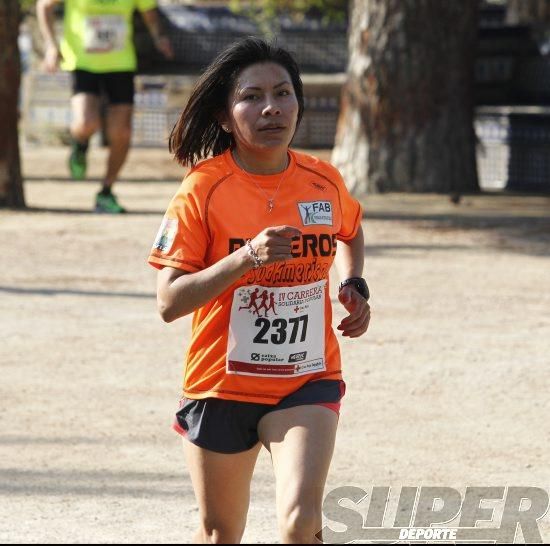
{"x":277,"y":332}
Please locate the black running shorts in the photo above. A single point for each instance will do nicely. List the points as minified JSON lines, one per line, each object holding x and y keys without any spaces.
{"x":229,"y":426}
{"x":118,"y":87}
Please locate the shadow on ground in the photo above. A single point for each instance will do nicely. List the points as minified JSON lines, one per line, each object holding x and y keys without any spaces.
{"x":508,"y":221}
{"x":44,"y":291}
{"x":66,"y":210}
{"x":95,"y":483}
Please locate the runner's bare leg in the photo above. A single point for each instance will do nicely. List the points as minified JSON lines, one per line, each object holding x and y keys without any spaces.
{"x":301,"y":443}
{"x":86,"y":118}
{"x":119,"y":135}
{"x":222,"y":488}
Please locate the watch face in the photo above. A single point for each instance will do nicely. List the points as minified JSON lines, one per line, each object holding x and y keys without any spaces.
{"x":359,"y":284}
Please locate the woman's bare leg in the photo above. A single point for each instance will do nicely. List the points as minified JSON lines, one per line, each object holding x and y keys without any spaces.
{"x":222,"y":489}
{"x":301,"y":443}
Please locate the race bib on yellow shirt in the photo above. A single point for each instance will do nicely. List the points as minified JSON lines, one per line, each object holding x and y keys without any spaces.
{"x":277,"y":332}
{"x":105,"y":33}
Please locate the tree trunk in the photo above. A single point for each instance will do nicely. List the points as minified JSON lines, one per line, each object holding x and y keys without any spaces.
{"x":406,"y":119}
{"x":11,"y":184}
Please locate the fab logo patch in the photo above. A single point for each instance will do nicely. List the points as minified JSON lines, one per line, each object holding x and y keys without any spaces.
{"x":166,"y":234}
{"x":316,"y":213}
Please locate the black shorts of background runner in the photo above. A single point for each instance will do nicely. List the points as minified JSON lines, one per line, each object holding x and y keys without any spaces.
{"x":118,"y":87}
{"x":228,"y":426}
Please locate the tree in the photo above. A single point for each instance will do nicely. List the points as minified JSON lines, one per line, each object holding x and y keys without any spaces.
{"x":11,"y":183}
{"x":406,"y":119}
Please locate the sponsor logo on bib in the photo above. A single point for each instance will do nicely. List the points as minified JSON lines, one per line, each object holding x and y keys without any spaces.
{"x":297,"y":357}
{"x":316,"y":213}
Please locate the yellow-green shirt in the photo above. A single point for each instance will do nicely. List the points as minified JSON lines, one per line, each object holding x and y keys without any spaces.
{"x":98,"y":35}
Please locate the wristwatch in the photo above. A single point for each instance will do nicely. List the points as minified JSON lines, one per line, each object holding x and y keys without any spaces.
{"x":359,"y":284}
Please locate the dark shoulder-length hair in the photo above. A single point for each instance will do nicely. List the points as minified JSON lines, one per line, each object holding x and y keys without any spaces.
{"x":197,"y":132}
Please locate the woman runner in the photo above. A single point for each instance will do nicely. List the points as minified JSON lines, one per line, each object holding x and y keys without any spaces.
{"x":257,"y":222}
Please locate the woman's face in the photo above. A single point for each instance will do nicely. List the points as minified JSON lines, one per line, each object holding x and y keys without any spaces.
{"x":263,"y":108}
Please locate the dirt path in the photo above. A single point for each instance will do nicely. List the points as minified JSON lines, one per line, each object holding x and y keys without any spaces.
{"x":450,"y":387}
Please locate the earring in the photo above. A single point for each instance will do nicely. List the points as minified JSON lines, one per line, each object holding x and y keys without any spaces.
{"x":226,"y":128}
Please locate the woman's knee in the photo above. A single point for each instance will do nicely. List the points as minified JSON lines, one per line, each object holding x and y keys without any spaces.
{"x":85,"y":127}
{"x":222,"y":532}
{"x":120,"y":135}
{"x":300,"y":523}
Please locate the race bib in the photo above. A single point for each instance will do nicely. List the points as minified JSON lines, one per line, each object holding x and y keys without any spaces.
{"x":277,"y":332}
{"x":105,"y":33}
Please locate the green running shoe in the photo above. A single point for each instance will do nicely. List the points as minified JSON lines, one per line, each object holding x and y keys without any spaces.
{"x":77,"y":163}
{"x":108,"y":204}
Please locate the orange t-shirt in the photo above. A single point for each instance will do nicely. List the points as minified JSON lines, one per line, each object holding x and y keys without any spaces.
{"x":271,"y":331}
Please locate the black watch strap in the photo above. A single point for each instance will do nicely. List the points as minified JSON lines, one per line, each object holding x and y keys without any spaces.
{"x":359,"y":284}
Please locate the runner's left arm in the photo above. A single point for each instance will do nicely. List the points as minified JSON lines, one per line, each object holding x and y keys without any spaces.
{"x":350,"y":257}
{"x":154,"y":26}
{"x":350,"y":260}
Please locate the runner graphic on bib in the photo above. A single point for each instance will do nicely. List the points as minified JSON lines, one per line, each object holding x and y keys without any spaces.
{"x":277,"y":332}
{"x":105,"y":33}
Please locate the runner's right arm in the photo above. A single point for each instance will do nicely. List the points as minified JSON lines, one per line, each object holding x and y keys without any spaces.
{"x":46,"y":23}
{"x":180,"y":293}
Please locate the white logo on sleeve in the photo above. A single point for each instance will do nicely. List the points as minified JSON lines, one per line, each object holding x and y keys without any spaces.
{"x":166,"y":234}
{"x":317,"y":213}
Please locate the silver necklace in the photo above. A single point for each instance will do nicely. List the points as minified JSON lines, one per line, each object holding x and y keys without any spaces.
{"x":270,"y":200}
